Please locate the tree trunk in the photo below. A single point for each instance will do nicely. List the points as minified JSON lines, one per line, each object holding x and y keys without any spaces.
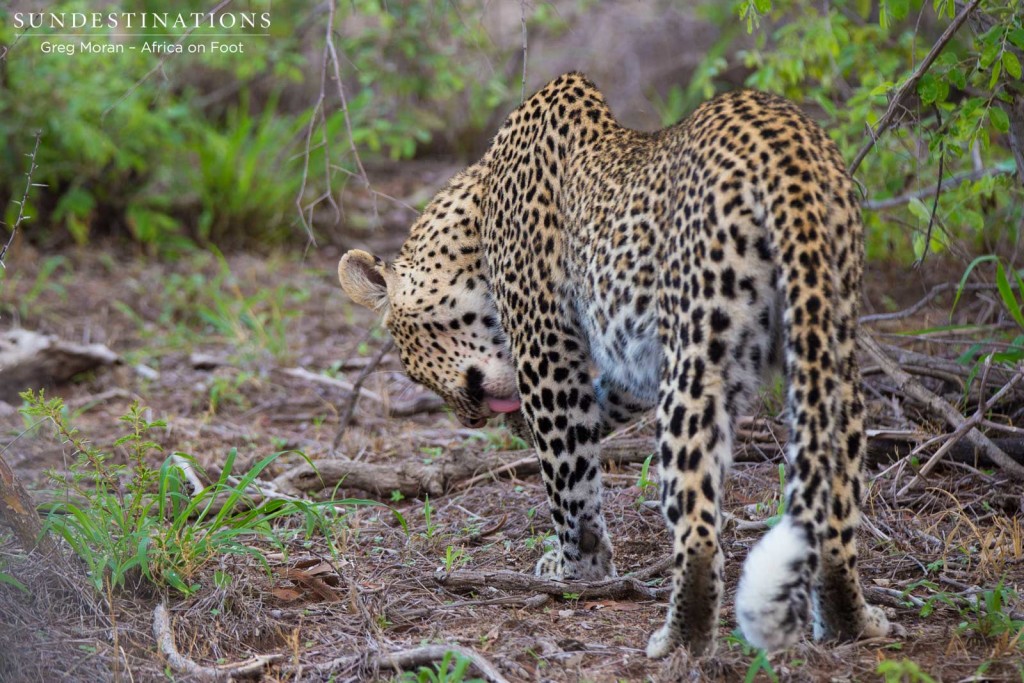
{"x":18,"y":512}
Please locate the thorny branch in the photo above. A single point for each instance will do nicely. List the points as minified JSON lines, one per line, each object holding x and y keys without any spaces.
{"x":24,"y":198}
{"x":910,"y":85}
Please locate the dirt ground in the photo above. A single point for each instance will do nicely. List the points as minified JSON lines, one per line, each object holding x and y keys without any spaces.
{"x":928,"y":555}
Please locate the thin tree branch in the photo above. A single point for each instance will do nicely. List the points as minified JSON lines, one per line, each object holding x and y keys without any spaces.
{"x":910,"y":85}
{"x":935,"y":200}
{"x":925,"y":300}
{"x":350,"y":406}
{"x":24,"y":198}
{"x":947,"y":184}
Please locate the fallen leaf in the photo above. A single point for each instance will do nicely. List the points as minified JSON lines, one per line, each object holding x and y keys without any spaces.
{"x":286,"y":594}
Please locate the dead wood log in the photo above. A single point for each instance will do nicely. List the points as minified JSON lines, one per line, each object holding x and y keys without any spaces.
{"x":415,"y":479}
{"x":503,"y":579}
{"x":29,"y":360}
{"x":18,"y":513}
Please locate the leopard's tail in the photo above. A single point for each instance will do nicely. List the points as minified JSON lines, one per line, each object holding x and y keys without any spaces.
{"x":774,"y":599}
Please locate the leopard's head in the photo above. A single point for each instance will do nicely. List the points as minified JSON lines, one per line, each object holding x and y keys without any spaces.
{"x":435,"y":301}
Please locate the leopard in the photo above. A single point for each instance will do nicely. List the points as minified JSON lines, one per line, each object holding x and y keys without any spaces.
{"x":582,"y":274}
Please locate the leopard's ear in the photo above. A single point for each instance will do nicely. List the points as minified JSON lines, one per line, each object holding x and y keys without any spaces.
{"x":362,"y":277}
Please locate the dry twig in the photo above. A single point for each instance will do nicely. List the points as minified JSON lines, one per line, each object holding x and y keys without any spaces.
{"x":939,"y":407}
{"x":163,"y":60}
{"x":353,"y":398}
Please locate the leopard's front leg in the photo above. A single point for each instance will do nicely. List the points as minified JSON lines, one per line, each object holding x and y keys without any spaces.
{"x":563,"y":414}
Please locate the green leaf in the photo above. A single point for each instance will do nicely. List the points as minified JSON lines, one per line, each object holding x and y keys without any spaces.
{"x":11,"y":581}
{"x":1016,"y":36}
{"x":963,"y":280}
{"x":1006,"y":292}
{"x":919,"y":210}
{"x":1011,"y":64}
{"x":1000,"y":121}
{"x":928,"y":88}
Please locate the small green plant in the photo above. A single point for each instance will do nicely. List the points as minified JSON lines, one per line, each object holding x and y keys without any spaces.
{"x":902,"y":671}
{"x":758,"y":664}
{"x":453,"y":558}
{"x":644,"y":482}
{"x":9,"y":580}
{"x":432,"y":453}
{"x":133,"y":521}
{"x":428,"y":517}
{"x":987,"y":614}
{"x":451,"y":669}
{"x":780,"y":507}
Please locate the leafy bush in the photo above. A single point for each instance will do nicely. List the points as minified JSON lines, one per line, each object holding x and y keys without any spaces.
{"x":847,"y":58}
{"x":204,"y":150}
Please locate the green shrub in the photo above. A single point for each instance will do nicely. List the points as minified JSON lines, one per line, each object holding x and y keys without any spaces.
{"x":131,"y":521}
{"x":848,"y":58}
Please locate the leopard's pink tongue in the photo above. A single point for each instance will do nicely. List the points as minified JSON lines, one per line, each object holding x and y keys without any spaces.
{"x":503,"y":405}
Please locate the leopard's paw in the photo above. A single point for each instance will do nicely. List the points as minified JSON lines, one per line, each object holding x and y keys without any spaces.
{"x":662,"y":642}
{"x":550,"y":565}
{"x":877,"y":624}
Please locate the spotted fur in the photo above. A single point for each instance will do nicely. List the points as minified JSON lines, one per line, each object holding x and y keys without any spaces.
{"x":681,"y":264}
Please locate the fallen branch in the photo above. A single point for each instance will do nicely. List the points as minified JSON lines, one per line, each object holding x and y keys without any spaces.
{"x":183,"y":665}
{"x":939,"y":407}
{"x":965,"y":427}
{"x":503,"y":579}
{"x":401,"y":660}
{"x":414,"y":479}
